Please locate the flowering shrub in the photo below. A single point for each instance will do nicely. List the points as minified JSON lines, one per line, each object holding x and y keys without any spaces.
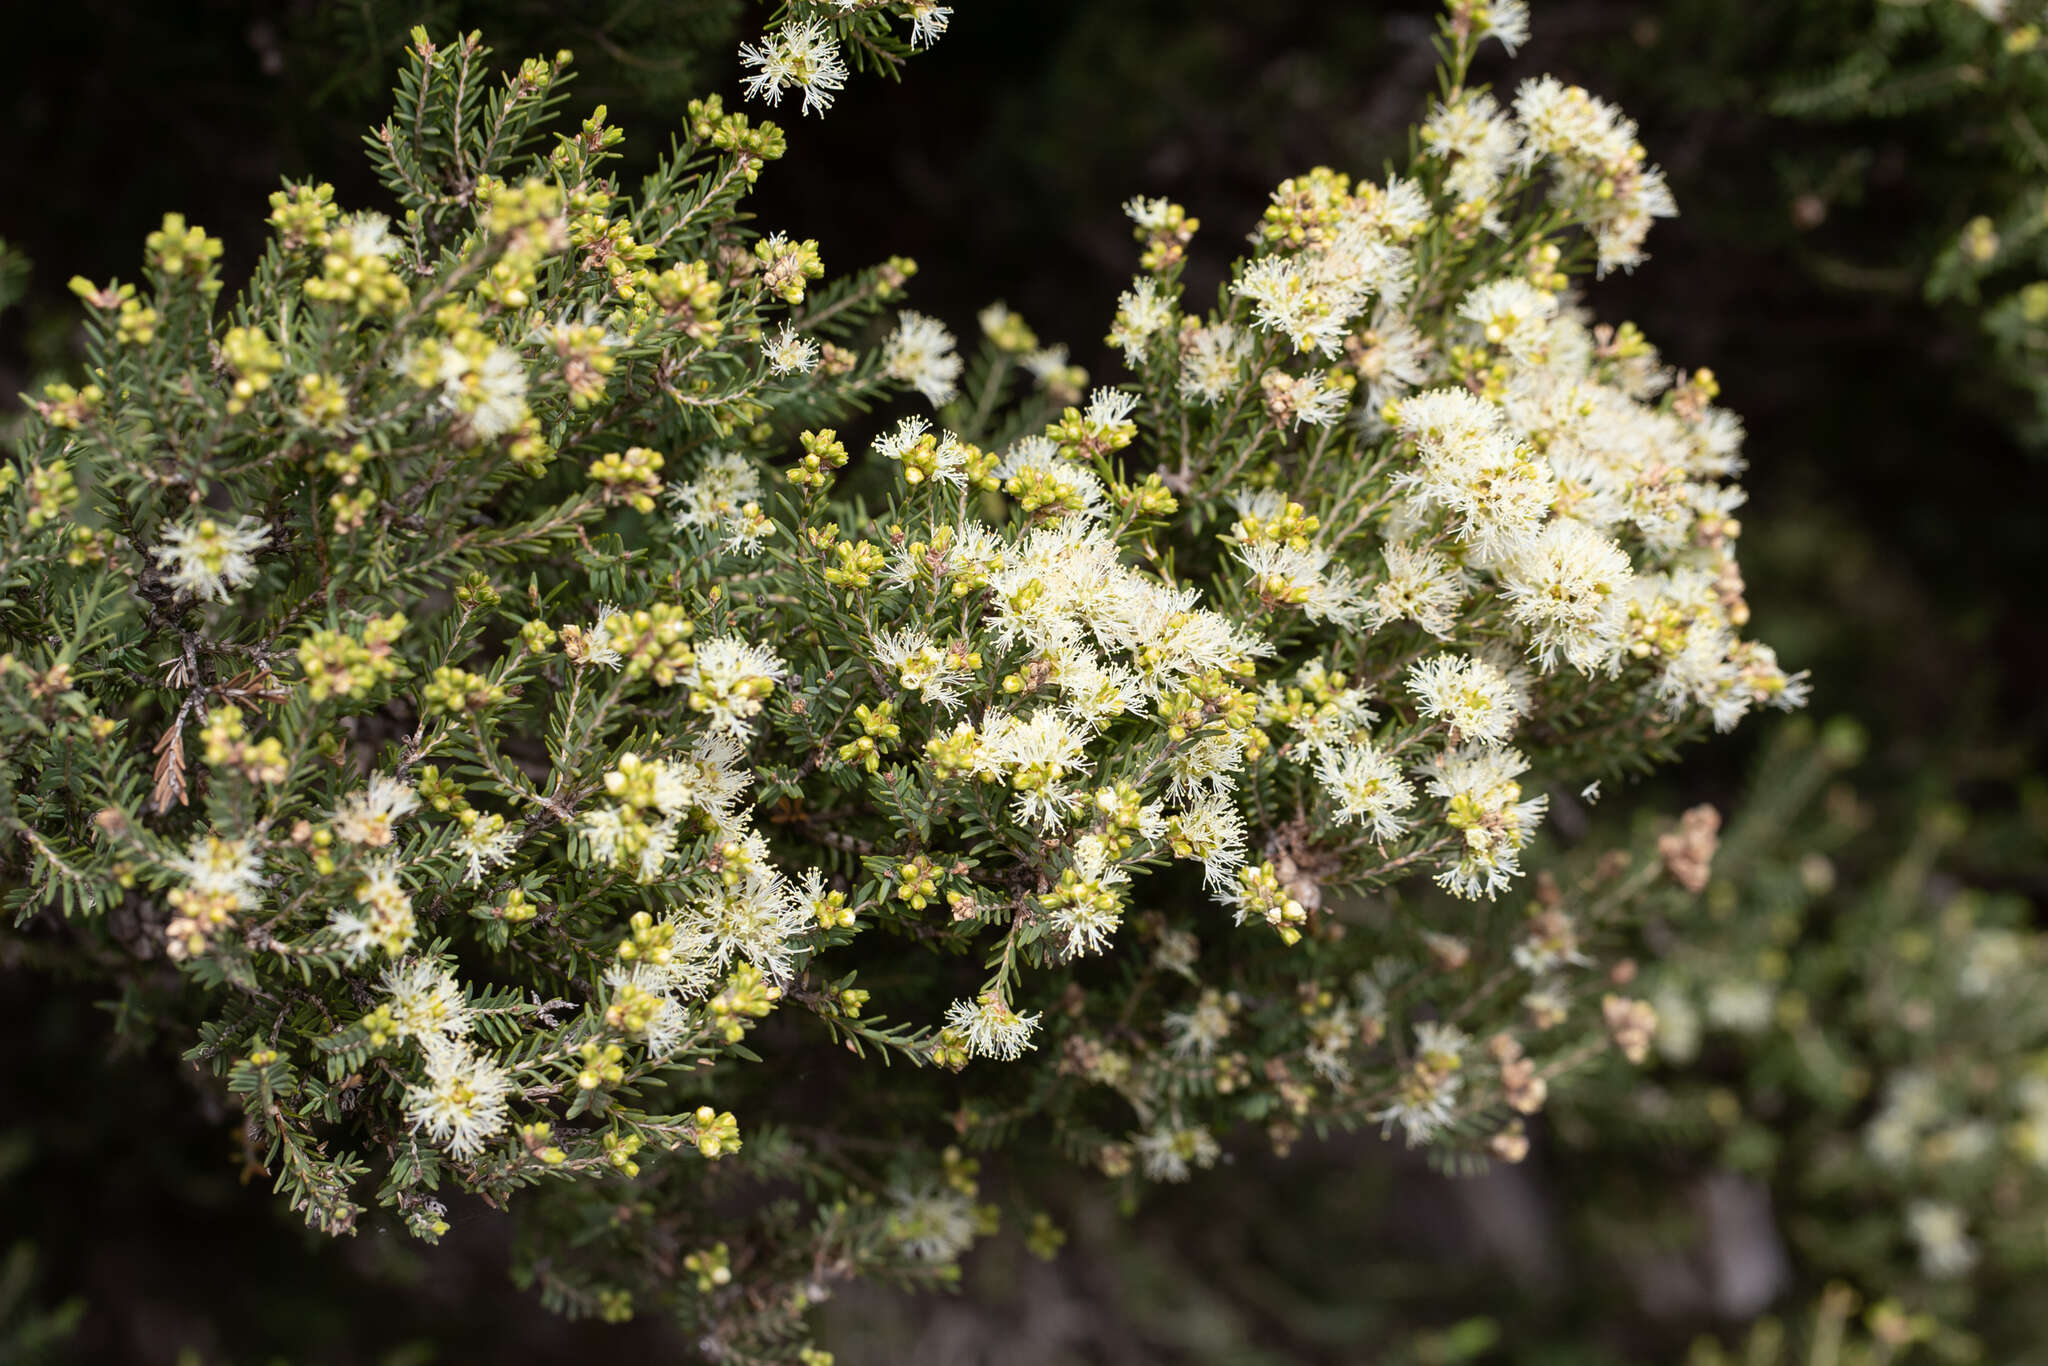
{"x":480,"y":685}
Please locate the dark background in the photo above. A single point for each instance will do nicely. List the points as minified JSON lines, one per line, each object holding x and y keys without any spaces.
{"x":1891,"y":543}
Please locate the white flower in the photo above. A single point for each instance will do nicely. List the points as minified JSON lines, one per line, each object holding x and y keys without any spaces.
{"x":723,"y":496}
{"x":354,"y":934}
{"x":928,"y":22}
{"x":1212,"y":361}
{"x":1149,"y":214}
{"x":1109,"y":407}
{"x":1177,"y":953}
{"x":222,"y":867}
{"x":386,"y":920}
{"x":788,"y":353}
{"x":1995,"y":958}
{"x":748,"y":531}
{"x":998,"y":318}
{"x":462,"y":1104}
{"x":1472,"y":465}
{"x":1196,"y":1032}
{"x":989,"y":1028}
{"x":1483,"y":802}
{"x":1343,"y":719}
{"x":1566,"y":588}
{"x":712,"y":779}
{"x":730,"y":679}
{"x":1512,"y":314}
{"x":1506,"y":20}
{"x":2031,"y":1135}
{"x":1310,"y":398}
{"x":669,"y":1021}
{"x":1941,"y":1231}
{"x":1142,"y":313}
{"x":1678,"y":1023}
{"x":609,"y":835}
{"x":1330,"y":1039}
{"x":1914,"y":1094}
{"x":1474,"y":697}
{"x":1367,"y":787}
{"x":803,"y":55}
{"x":1599,"y":170}
{"x":367,"y":816}
{"x":945,"y":460}
{"x":1742,"y":1006}
{"x":920,"y":353}
{"x":1440,"y":1044}
{"x":1048,"y":363}
{"x":597,"y":641}
{"x":1288,"y":302}
{"x":1401,"y":210}
{"x":491,"y":393}
{"x":933,"y":1224}
{"x":1095,"y":693}
{"x":206,"y":558}
{"x":1550,"y":944}
{"x":724,"y":484}
{"x":1210,"y":828}
{"x":1618,"y":235}
{"x":1066,"y":581}
{"x":1089,"y":910}
{"x":1566,"y":122}
{"x":1391,"y":358}
{"x":685,"y":973}
{"x":1208,"y":764}
{"x":1479,"y":142}
{"x":963,"y":554}
{"x":1429,"y":1089}
{"x":1086,"y":926}
{"x":1044,"y":745}
{"x":486,"y":842}
{"x":937,"y":675}
{"x":1439,"y":420}
{"x":425,"y":1003}
{"x":1174,"y":640}
{"x":1044,"y":481}
{"x":1171,"y":1152}
{"x":1308,"y":577}
{"x":369,"y":234}
{"x":1422,"y":586}
{"x":762,"y":919}
{"x":1728,"y":676}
